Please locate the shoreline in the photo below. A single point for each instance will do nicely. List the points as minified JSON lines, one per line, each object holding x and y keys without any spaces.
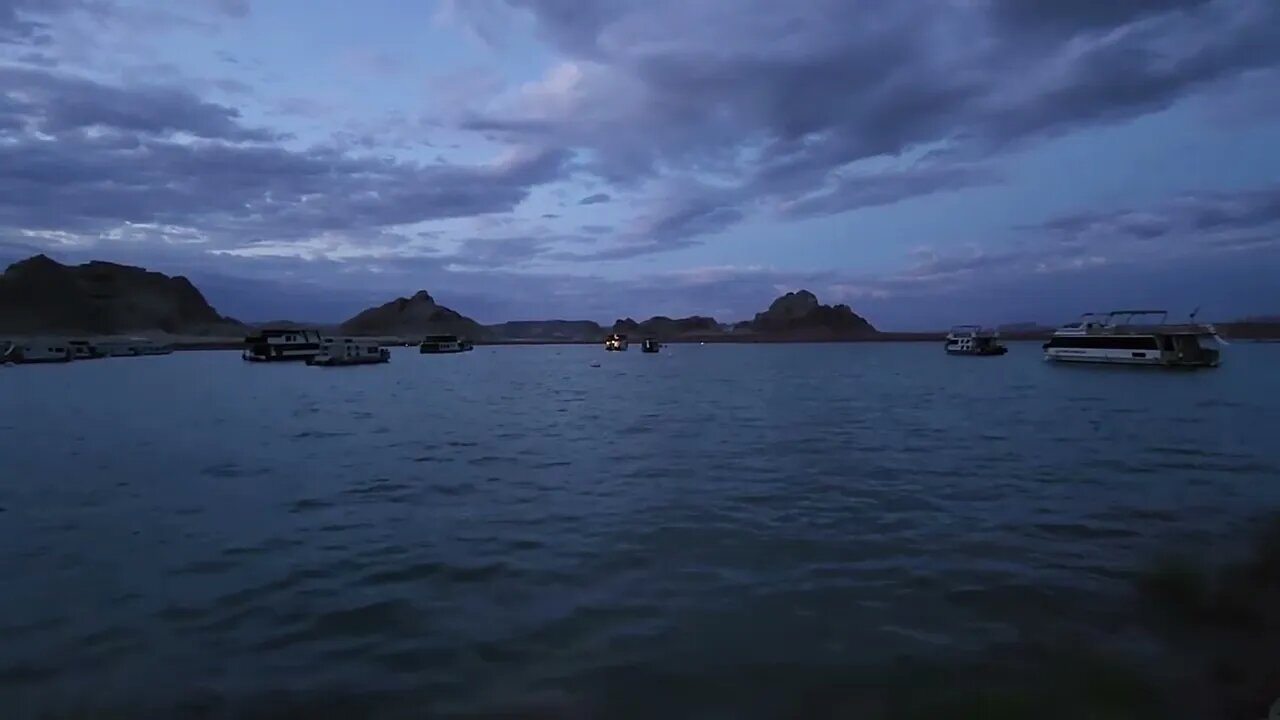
{"x":185,"y":343}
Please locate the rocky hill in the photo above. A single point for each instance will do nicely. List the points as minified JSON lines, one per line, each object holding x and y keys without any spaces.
{"x":414,"y":317}
{"x":40,"y":295}
{"x":799,"y":316}
{"x":548,"y":330}
{"x":665,"y":328}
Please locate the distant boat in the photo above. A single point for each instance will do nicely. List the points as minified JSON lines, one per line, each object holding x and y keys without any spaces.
{"x":441,"y":344}
{"x":616,"y":342}
{"x":650,"y":345}
{"x":1127,"y":337}
{"x":349,"y":351}
{"x":974,"y":340}
{"x":85,"y":350}
{"x":39,"y":350}
{"x":131,"y":347}
{"x":281,"y":345}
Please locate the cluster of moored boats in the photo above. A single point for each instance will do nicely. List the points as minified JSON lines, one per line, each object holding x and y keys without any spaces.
{"x":61,"y":350}
{"x":1125,"y":337}
{"x":617,"y":342}
{"x":1121,"y":337}
{"x":313,"y":348}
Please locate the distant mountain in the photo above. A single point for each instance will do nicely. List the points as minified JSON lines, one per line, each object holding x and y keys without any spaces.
{"x":665,"y":328}
{"x":799,"y":316}
{"x":413,"y":317}
{"x":552,"y":330}
{"x":41,"y":295}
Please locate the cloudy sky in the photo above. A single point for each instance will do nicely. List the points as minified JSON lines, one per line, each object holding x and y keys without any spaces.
{"x":925,"y":161}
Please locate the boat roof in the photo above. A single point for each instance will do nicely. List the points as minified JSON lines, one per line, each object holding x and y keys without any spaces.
{"x":1126,"y":314}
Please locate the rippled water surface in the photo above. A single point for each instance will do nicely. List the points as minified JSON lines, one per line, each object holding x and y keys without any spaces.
{"x":716,"y":526}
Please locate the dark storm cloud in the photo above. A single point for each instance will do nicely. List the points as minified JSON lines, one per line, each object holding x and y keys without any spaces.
{"x":1180,"y":223}
{"x":886,"y":188}
{"x":595,"y":199}
{"x":57,"y":103}
{"x":25,"y":22}
{"x":86,"y":157}
{"x":815,"y":88}
{"x":1072,"y":16}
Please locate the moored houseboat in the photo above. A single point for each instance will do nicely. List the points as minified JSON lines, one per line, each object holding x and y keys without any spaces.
{"x":443,"y":344}
{"x":338,"y":351}
{"x":974,"y":340}
{"x":616,"y":342}
{"x":82,"y":349}
{"x":281,"y":344}
{"x":1135,"y":337}
{"x":650,"y":345}
{"x":39,"y":350}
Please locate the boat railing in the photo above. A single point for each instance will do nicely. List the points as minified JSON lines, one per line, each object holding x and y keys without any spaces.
{"x":1145,"y":328}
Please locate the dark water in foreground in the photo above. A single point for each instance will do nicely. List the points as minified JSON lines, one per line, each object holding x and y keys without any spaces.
{"x":732,"y":529}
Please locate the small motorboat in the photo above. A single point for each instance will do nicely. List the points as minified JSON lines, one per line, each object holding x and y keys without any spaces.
{"x":650,"y":345}
{"x":974,"y":340}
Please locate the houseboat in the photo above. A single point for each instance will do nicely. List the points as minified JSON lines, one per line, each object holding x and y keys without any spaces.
{"x":281,"y":344}
{"x":650,"y":345}
{"x":130,"y":347}
{"x":615,"y":342}
{"x":974,"y":340}
{"x":39,"y":350}
{"x":82,"y":349}
{"x":1135,"y":337}
{"x":442,"y":344}
{"x":349,"y":351}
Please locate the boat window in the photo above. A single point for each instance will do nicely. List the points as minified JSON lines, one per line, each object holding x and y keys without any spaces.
{"x":1105,"y":342}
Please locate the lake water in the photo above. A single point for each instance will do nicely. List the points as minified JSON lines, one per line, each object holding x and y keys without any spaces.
{"x":715,"y":531}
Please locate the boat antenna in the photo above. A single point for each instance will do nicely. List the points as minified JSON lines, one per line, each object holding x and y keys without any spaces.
{"x":1195,"y":312}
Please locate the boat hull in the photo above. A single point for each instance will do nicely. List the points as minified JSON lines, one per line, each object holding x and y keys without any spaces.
{"x":1131,"y":358}
{"x":346,"y":362}
{"x":990,"y":352}
{"x":302,"y":357}
{"x":443,"y":351}
{"x":40,"y":360}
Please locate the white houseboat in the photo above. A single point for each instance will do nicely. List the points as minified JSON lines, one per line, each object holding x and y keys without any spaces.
{"x":349,"y":351}
{"x":1135,"y":337}
{"x":616,"y":342}
{"x":82,"y":349}
{"x":974,"y":340}
{"x":39,"y":350}
{"x":440,"y":344}
{"x":281,"y":344}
